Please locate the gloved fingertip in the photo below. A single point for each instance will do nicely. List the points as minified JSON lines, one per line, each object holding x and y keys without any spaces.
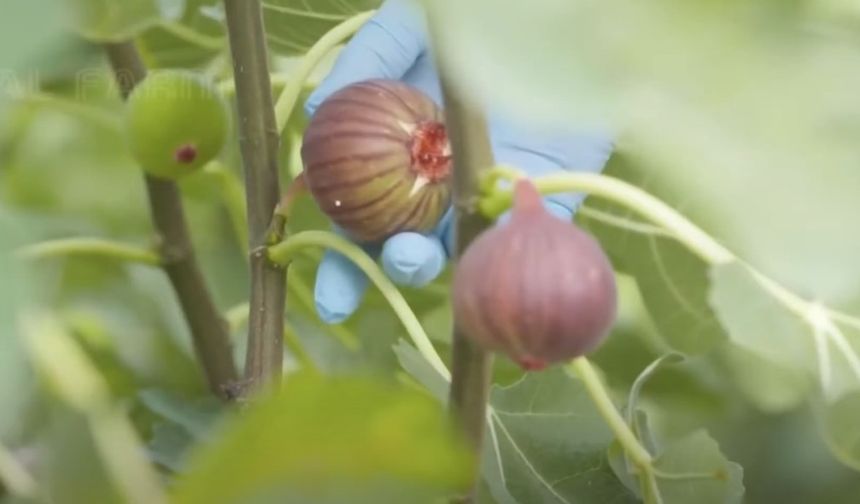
{"x":445,"y":231}
{"x":413,"y":259}
{"x":339,"y":288}
{"x":310,"y":107}
{"x":556,"y":209}
{"x":332,"y":314}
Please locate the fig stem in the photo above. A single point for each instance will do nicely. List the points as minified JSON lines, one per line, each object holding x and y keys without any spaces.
{"x":495,"y":203}
{"x":96,"y":247}
{"x":285,"y":206}
{"x":259,"y":142}
{"x":641,"y":458}
{"x":290,"y":95}
{"x":208,"y":330}
{"x":284,"y":252}
{"x":582,"y":368}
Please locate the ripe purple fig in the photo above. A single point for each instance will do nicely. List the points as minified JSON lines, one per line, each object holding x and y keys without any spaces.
{"x":535,"y":288}
{"x":377,"y":160}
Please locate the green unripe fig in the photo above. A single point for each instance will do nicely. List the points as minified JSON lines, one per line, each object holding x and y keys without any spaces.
{"x":175,"y":123}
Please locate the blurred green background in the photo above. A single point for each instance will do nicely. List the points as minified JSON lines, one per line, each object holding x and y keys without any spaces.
{"x":65,"y":172}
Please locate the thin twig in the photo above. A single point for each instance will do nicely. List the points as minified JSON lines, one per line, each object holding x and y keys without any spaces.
{"x":285,"y":251}
{"x":94,"y":247}
{"x":208,"y":330}
{"x":259,"y":141}
{"x":471,"y":366}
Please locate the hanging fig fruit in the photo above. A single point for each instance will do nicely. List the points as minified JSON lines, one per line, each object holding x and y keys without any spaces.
{"x":535,"y":288}
{"x":377,"y":160}
{"x":175,"y":123}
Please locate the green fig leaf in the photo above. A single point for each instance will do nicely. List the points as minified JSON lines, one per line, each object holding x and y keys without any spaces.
{"x":293,"y":26}
{"x":839,"y":423}
{"x":338,"y":439}
{"x":759,"y":322}
{"x":545,"y":442}
{"x":694,"y":469}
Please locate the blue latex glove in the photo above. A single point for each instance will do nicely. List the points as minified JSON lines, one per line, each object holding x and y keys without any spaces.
{"x":393,"y":45}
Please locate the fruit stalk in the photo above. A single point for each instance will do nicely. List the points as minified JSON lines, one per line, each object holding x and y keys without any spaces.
{"x":208,"y":331}
{"x":258,"y":136}
{"x":471,"y":366}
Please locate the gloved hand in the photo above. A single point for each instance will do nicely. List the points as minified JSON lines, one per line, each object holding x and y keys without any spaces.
{"x":393,"y":45}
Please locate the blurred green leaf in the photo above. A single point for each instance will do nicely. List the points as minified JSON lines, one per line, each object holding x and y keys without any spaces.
{"x":35,"y":27}
{"x":757,"y":321}
{"x":801,"y":352}
{"x":438,"y":322}
{"x":771,"y":387}
{"x":70,"y":465}
{"x":35,"y":30}
{"x":839,"y":422}
{"x":117,"y":20}
{"x":323,"y":439}
{"x":196,"y":416}
{"x":673,"y":282}
{"x":69,"y":377}
{"x":16,"y":294}
{"x":39,"y":134}
{"x":745,"y":111}
{"x":191,"y":41}
{"x":293,"y":26}
{"x":169,"y":445}
{"x":712,"y":479}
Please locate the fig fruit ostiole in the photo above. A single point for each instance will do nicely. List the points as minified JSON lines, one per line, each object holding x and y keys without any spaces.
{"x":175,"y":123}
{"x":535,"y":288}
{"x":377,"y":160}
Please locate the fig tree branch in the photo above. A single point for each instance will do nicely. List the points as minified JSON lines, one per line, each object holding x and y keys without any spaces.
{"x":471,"y":366}
{"x":259,"y":140}
{"x":208,"y":330}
